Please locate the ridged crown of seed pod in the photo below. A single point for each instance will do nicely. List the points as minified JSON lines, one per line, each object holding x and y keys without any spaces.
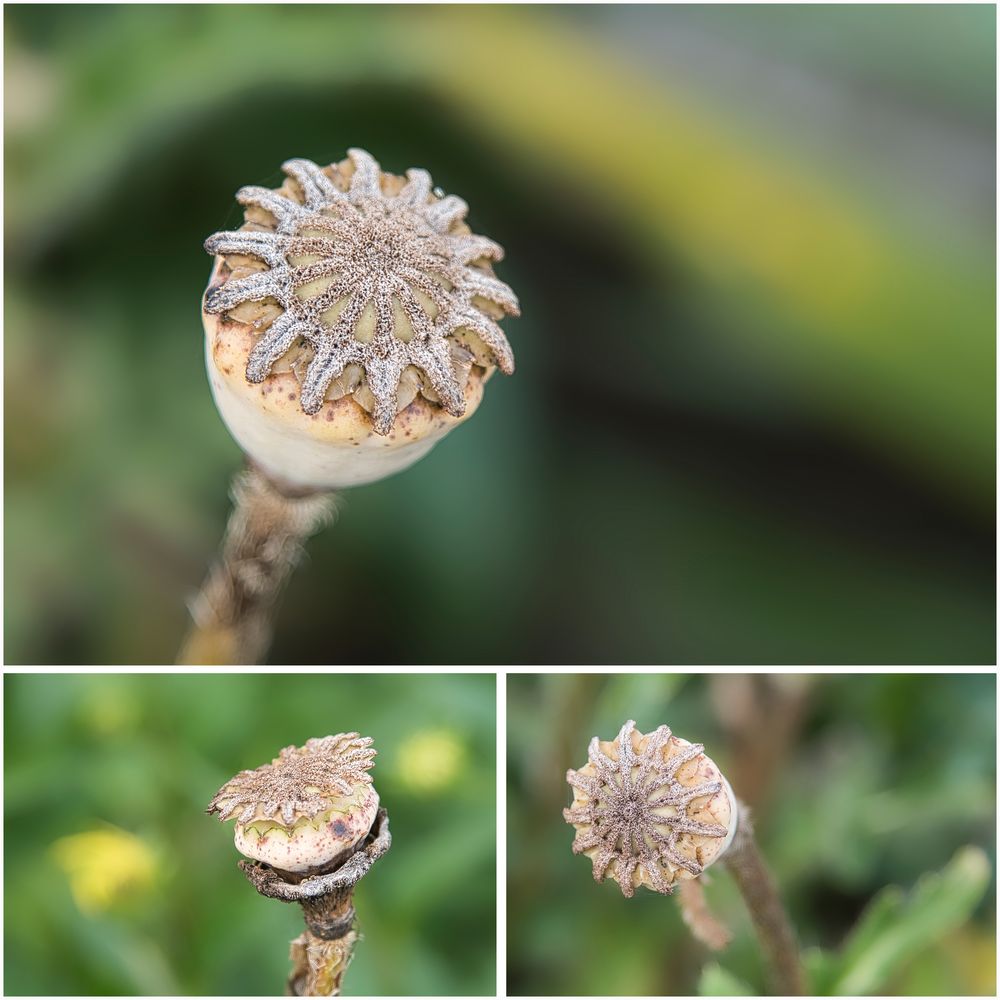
{"x":301,"y":782}
{"x":649,"y":810}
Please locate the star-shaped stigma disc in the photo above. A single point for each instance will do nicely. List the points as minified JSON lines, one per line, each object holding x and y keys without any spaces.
{"x":632,"y":809}
{"x":378,"y":281}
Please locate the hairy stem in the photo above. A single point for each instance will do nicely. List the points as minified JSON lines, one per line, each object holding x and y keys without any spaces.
{"x":774,"y":931}
{"x":263,"y":542}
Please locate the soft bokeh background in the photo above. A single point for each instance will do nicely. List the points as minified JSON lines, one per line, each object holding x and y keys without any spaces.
{"x":856,"y":782}
{"x":116,"y":882}
{"x":753,"y":419}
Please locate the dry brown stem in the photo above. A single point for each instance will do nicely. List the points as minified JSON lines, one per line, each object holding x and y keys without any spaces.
{"x":263,"y":543}
{"x":774,"y":931}
{"x":319,"y":964}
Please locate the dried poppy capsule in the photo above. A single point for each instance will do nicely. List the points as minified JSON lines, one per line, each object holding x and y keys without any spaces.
{"x":653,"y":810}
{"x":310,"y":806}
{"x":650,"y":810}
{"x":351,"y":322}
{"x":311,"y":825}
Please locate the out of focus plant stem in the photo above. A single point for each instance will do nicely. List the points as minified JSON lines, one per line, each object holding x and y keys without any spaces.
{"x":762,"y":715}
{"x":701,"y":921}
{"x":770,"y":921}
{"x":263,"y":543}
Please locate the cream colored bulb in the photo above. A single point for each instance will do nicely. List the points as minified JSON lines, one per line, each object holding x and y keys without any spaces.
{"x":314,"y":842}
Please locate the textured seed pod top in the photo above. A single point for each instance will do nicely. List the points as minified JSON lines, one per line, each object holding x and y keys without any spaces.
{"x":354,"y":316}
{"x":649,"y":810}
{"x":310,"y":806}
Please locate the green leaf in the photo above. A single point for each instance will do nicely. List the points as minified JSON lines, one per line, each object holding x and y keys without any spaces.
{"x":894,"y":928}
{"x":884,"y":912}
{"x":717,"y":982}
{"x":822,"y":968}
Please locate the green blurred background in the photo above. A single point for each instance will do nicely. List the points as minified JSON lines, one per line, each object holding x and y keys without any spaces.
{"x":753,"y":419}
{"x":155,"y":903}
{"x":856,"y":782}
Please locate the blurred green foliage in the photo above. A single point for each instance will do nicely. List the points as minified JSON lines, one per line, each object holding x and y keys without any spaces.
{"x":755,"y":251}
{"x":894,"y":930}
{"x":164,"y":909}
{"x":874,"y":799}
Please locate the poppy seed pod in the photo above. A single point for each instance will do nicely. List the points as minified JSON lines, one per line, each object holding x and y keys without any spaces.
{"x":307,"y":809}
{"x":654,"y":811}
{"x":310,"y":825}
{"x":351,"y":323}
{"x":650,"y":810}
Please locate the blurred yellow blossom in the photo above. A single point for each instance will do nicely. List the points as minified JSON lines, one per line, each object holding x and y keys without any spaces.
{"x":430,"y":760}
{"x":109,"y":709}
{"x":104,"y":866}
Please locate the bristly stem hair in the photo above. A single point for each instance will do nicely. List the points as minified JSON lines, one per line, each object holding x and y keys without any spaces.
{"x":263,"y":543}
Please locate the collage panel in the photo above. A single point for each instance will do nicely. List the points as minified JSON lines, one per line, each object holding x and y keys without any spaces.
{"x":361,"y":810}
{"x":761,"y":834}
{"x":510,"y":303}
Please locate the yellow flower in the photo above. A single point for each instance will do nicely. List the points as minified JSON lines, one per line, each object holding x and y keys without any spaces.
{"x":430,"y":760}
{"x":104,"y":866}
{"x":110,"y":709}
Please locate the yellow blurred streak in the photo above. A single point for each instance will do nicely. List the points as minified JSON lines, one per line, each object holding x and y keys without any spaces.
{"x":900,"y":345}
{"x":105,"y":866}
{"x":678,"y":173}
{"x":972,"y":951}
{"x":430,"y":760}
